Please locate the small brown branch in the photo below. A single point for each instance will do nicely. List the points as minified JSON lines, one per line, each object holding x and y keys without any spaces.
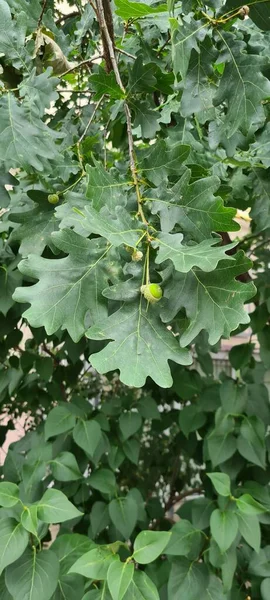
{"x":125,"y":53}
{"x":86,"y":62}
{"x":105,"y":20}
{"x":227,"y":240}
{"x":56,"y":360}
{"x":71,"y":91}
{"x":178,"y":497}
{"x":75,"y":13}
{"x":41,"y":14}
{"x":93,"y":7}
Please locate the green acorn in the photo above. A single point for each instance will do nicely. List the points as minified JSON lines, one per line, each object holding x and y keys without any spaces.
{"x":152,"y":292}
{"x":53,"y":198}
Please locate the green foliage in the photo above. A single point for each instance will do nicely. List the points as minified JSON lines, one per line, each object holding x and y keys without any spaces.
{"x":127,"y":151}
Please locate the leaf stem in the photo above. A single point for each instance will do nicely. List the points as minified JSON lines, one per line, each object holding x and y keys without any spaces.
{"x":147,"y":276}
{"x":73,"y":184}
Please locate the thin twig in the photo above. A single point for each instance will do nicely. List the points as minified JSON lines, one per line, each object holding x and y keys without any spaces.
{"x":249,"y":237}
{"x":56,"y":360}
{"x":41,"y":14}
{"x":91,"y":119}
{"x":164,"y":45}
{"x":254,"y":250}
{"x":93,"y":7}
{"x":125,"y":53}
{"x":68,"y":16}
{"x":111,"y":50}
{"x":71,"y":91}
{"x":88,"y":61}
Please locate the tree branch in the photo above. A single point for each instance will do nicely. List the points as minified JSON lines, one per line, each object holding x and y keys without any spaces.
{"x":178,"y":497}
{"x":41,"y":14}
{"x":105,"y":19}
{"x":88,"y":61}
{"x":110,"y":44}
{"x":125,"y":53}
{"x":68,"y":16}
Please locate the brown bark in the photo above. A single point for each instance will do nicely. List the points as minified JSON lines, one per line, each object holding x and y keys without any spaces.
{"x":109,"y":22}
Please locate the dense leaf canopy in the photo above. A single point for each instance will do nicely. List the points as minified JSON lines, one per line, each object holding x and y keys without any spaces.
{"x":134,"y":143}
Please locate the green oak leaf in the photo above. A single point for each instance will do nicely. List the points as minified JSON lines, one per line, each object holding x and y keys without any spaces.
{"x":199,"y":86}
{"x":137,"y":333}
{"x":10,"y":278}
{"x":142,"y":77}
{"x":68,"y":213}
{"x":261,"y":208}
{"x":24,"y":142}
{"x":185,"y":35}
{"x":161,"y":160}
{"x":127,"y":10}
{"x":35,"y":229}
{"x":39,"y":91}
{"x":147,"y":119}
{"x":103,"y":188}
{"x":243,"y":86}
{"x":105,"y":83}
{"x":194,"y":206}
{"x":6,"y":179}
{"x":12,"y":36}
{"x":68,"y":288}
{"x":117,"y":227}
{"x":205,"y":255}
{"x":261,"y":148}
{"x":213,"y":301}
